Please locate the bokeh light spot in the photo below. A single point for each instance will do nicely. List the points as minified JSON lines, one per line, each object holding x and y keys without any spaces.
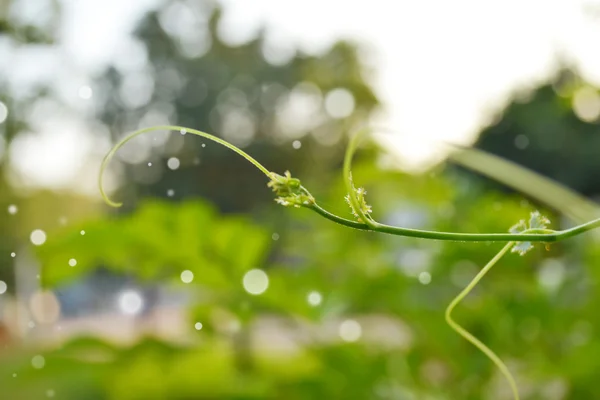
{"x":350,"y":330}
{"x":38,"y":237}
{"x":187,"y":276}
{"x":256,"y":281}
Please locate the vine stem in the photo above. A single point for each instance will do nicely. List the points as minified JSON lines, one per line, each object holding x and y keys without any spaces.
{"x":542,"y":235}
{"x":468,"y":336}
{"x":538,"y":235}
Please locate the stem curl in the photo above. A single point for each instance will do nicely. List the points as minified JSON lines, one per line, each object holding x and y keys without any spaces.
{"x":132,"y":135}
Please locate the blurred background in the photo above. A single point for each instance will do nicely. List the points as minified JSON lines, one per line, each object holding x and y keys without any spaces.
{"x":201,"y":287}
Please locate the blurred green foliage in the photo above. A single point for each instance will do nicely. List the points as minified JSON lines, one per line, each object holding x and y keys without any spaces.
{"x":406,"y":350}
{"x":537,"y":312}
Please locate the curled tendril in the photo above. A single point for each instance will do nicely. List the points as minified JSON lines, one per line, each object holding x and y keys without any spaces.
{"x":196,"y":132}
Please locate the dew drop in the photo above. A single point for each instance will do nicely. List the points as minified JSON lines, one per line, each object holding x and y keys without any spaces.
{"x":183,"y":131}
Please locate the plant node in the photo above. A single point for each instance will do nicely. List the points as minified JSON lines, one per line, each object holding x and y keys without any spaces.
{"x":537,"y":222}
{"x":289,"y":191}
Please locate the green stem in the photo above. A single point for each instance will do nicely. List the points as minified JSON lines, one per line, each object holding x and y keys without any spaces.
{"x":543,"y":235}
{"x":208,"y":136}
{"x":468,"y":336}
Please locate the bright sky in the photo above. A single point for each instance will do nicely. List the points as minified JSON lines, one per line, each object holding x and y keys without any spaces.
{"x":442,"y":67}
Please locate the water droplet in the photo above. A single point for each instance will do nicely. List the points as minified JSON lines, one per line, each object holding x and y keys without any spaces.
{"x":275,"y":236}
{"x":173,"y":163}
{"x":12,"y":209}
{"x":183,"y":131}
{"x":3,"y":287}
{"x":255,"y":281}
{"x":13,"y":254}
{"x":296,"y":144}
{"x":187,"y":276}
{"x":38,"y":362}
{"x":198,"y":325}
{"x":170,"y":193}
{"x":130,"y":302}
{"x":425,"y":278}
{"x":38,"y":237}
{"x":72,"y":262}
{"x":314,"y":298}
{"x":350,"y":330}
{"x":85,"y":92}
{"x":82,"y":232}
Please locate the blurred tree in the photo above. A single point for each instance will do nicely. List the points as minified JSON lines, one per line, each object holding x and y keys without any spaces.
{"x":553,"y":130}
{"x":254,"y":95}
{"x":18,"y":32}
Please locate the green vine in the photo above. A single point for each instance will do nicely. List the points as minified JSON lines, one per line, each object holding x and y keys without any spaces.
{"x":291,"y":193}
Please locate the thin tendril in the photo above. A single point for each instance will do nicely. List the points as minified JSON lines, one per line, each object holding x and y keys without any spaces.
{"x":468,"y":336}
{"x":366,"y":222}
{"x":127,"y":138}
